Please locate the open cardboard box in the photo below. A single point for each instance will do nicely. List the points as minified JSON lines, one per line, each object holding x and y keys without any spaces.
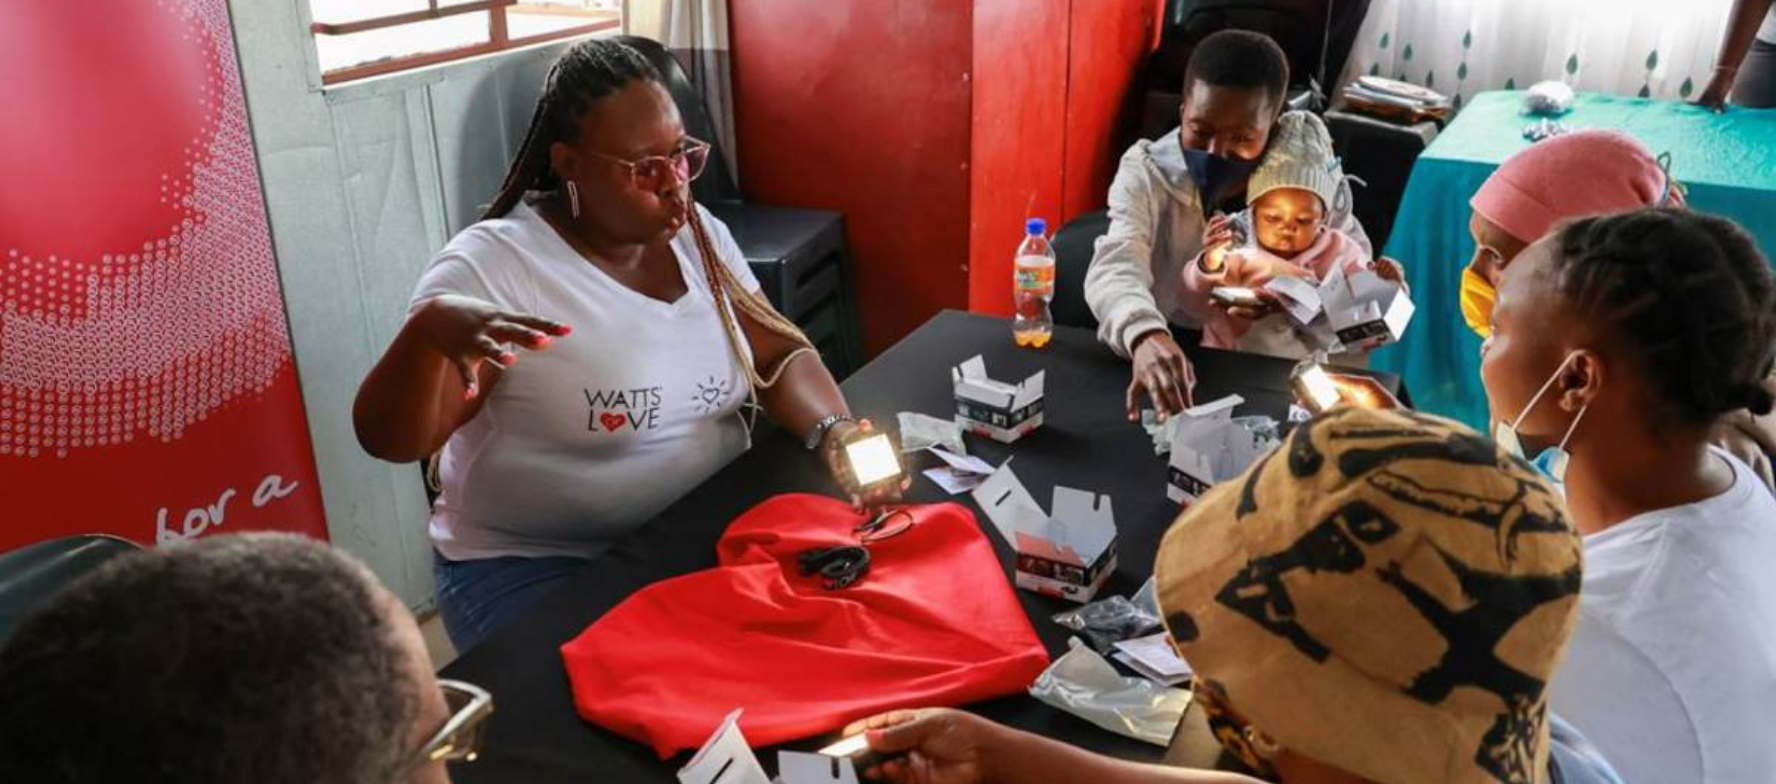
{"x":1069,"y":553}
{"x":1208,"y":447}
{"x":726,"y":758}
{"x":1365,"y":310}
{"x":1000,"y":411}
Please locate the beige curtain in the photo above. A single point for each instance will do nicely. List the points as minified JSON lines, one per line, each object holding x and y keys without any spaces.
{"x":696,"y":31}
{"x":1650,"y":48}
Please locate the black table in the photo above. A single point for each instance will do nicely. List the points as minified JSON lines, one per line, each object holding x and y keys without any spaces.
{"x":1086,"y":442}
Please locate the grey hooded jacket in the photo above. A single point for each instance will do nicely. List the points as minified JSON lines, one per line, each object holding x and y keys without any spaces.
{"x":1156,"y":227}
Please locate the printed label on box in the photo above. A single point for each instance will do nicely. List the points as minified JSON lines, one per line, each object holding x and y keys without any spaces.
{"x":1068,"y":552}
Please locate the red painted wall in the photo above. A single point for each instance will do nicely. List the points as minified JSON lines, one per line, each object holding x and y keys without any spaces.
{"x":936,"y":126}
{"x":863,"y":107}
{"x":1053,"y":101}
{"x":1110,"y":42}
{"x":1020,"y":128}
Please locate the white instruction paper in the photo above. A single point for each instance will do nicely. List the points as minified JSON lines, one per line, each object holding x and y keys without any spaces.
{"x":954,"y":482}
{"x":964,"y":464}
{"x":1297,"y":296}
{"x":960,"y":473}
{"x":1154,"y":657}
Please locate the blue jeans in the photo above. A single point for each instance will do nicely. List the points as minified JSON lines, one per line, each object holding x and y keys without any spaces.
{"x":478,"y":596}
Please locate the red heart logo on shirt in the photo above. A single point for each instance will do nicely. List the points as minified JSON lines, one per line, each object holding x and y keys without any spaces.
{"x":612,"y":421}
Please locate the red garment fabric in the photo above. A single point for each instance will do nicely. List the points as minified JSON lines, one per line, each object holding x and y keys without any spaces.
{"x":934,"y":622}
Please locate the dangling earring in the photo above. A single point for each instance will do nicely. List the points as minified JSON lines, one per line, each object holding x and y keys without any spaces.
{"x":1261,"y":744}
{"x":573,"y":198}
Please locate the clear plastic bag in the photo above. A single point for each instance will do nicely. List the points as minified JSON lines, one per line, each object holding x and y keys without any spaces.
{"x":1147,"y":599}
{"x":918,"y":431}
{"x":1548,"y":99}
{"x":1240,"y":223}
{"x":1085,"y":684}
{"x":1544,"y":129}
{"x":1160,"y":432}
{"x":1264,"y":430}
{"x":1105,"y":622}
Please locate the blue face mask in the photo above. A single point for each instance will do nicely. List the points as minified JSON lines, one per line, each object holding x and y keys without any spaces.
{"x":1552,"y":462}
{"x":1216,"y":175}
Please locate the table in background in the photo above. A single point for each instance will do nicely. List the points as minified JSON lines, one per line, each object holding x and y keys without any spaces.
{"x":534,"y":735}
{"x":1728,"y":162}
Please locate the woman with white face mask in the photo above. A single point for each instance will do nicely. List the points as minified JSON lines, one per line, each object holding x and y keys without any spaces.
{"x":1617,"y":344}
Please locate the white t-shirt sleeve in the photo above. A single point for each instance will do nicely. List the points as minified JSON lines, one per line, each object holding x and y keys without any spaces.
{"x":452,"y":273}
{"x":729,"y":250}
{"x":1610,"y":689}
{"x":482,"y":262}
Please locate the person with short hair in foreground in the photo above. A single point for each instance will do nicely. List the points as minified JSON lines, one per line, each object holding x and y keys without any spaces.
{"x":242,"y":659}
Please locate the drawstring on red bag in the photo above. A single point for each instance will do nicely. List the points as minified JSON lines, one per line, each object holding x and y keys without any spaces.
{"x":841,"y":566}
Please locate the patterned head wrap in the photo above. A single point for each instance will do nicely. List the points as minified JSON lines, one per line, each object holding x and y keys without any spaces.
{"x":1387,"y":593}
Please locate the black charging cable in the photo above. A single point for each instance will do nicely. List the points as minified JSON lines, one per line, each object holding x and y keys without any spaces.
{"x":838,"y":566}
{"x":841,"y":566}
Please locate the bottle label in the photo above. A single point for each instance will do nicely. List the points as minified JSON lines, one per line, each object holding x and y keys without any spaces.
{"x":1034,"y":275}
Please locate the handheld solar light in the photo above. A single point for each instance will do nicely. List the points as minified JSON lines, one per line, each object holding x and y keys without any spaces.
{"x":849,"y":747}
{"x":1239,"y":296}
{"x":856,"y":748}
{"x":1315,"y":388}
{"x":873,"y":460}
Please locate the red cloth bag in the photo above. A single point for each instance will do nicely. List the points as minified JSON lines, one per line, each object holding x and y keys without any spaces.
{"x":934,"y":622}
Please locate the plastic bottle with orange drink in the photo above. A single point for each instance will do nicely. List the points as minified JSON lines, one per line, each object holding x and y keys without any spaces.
{"x":1033,"y":275}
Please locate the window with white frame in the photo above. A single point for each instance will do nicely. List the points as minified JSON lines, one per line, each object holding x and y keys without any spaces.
{"x":355,"y":39}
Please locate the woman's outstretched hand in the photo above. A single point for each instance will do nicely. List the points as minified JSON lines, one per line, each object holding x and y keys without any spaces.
{"x":469,"y":331}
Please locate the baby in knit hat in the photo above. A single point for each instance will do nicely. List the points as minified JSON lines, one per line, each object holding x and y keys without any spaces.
{"x":1289,"y":198}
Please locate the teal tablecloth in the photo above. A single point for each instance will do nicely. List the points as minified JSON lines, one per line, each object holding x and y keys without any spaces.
{"x":1727,"y":161}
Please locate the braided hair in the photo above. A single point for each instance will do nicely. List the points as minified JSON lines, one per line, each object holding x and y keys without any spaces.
{"x":588,"y":72}
{"x":1689,"y":295}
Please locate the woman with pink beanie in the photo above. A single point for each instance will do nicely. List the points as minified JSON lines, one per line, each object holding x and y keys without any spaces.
{"x":1568,"y":176}
{"x":1591,"y":172}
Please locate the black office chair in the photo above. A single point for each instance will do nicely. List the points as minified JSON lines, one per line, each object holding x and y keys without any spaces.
{"x":1073,"y":246}
{"x":799,"y":256}
{"x":1381,"y":154}
{"x":33,"y":573}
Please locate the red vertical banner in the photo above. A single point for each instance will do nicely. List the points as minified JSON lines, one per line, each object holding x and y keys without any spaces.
{"x":147,"y":387}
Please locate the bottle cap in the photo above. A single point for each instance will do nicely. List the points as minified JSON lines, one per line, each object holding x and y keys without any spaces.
{"x":1035,"y":227}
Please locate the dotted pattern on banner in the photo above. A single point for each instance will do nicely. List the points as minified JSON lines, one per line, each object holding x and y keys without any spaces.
{"x":160,"y":336}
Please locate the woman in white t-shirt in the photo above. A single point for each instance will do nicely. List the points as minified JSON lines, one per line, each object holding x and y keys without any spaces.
{"x":645,"y":336}
{"x":1617,"y":342}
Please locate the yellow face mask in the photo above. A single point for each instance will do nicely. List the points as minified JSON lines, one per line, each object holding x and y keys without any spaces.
{"x":1477,"y":295}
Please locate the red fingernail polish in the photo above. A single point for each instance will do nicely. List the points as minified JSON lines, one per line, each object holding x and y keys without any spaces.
{"x":564,"y":329}
{"x":469,"y":394}
{"x":542,"y":341}
{"x":508,"y":358}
